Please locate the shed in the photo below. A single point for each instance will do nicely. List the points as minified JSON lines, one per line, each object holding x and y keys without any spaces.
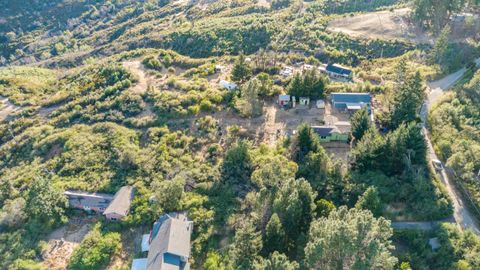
{"x":320,"y":104}
{"x":228,"y":85}
{"x":120,"y":205}
{"x":330,"y":133}
{"x":351,"y":101}
{"x":283,"y":100}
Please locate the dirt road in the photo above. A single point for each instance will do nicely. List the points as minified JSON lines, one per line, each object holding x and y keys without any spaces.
{"x":137,"y":68}
{"x":462,"y":215}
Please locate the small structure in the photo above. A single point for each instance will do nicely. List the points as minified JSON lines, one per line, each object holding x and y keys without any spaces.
{"x":330,"y":134}
{"x":228,"y":85}
{"x":284,"y":100}
{"x":320,"y":104}
{"x":287,"y":71}
{"x":96,"y":202}
{"x":351,"y":101}
{"x":218,"y":68}
{"x":337,"y":71}
{"x":120,"y":205}
{"x":304,"y":101}
{"x":169,"y":244}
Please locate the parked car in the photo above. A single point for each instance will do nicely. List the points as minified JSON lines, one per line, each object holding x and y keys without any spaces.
{"x":437,"y":164}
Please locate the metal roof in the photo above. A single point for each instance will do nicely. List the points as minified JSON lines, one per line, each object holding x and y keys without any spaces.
{"x":351,"y":97}
{"x":325,"y":131}
{"x":338,"y":69}
{"x":121,"y":201}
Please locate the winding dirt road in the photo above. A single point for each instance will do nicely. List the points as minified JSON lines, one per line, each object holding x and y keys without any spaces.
{"x":463,"y":217}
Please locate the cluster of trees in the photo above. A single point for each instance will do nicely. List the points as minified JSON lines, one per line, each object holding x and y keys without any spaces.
{"x":436,"y":14}
{"x":310,"y":84}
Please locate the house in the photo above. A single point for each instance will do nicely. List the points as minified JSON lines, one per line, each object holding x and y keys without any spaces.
{"x":351,"y":101}
{"x":284,"y":100}
{"x":304,"y":101}
{"x":320,"y":104}
{"x":287,"y":71}
{"x":120,"y":205}
{"x":96,"y":202}
{"x":337,"y":71}
{"x":169,"y":244}
{"x":228,"y":85}
{"x":330,"y":134}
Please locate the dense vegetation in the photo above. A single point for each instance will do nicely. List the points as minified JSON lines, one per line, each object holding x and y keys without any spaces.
{"x":123,"y":92}
{"x":455,"y":128}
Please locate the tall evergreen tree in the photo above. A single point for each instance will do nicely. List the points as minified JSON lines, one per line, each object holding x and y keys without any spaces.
{"x":360,"y":122}
{"x":241,"y":71}
{"x":408,"y":101}
{"x":274,"y":236}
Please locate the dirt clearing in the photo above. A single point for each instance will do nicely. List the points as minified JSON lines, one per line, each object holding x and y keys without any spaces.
{"x":63,"y":241}
{"x":382,"y":24}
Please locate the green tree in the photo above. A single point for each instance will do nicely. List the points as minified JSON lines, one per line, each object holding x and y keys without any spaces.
{"x":315,"y":169}
{"x":44,"y":202}
{"x":324,"y":208}
{"x":248,"y":104}
{"x":241,"y":71}
{"x":349,"y":239}
{"x":169,"y":193}
{"x":295,"y":206}
{"x":265,"y":84}
{"x":370,"y":200}
{"x":308,"y":84}
{"x":274,"y":235}
{"x":304,"y":142}
{"x":278,"y":261}
{"x":247,"y":245}
{"x":237,"y":166}
{"x":408,"y":101}
{"x":360,"y":122}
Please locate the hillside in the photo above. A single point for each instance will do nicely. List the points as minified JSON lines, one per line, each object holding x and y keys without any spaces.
{"x":231,"y":117}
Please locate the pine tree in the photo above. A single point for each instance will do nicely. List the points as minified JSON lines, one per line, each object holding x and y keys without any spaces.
{"x":360,"y":122}
{"x":370,"y":200}
{"x":274,"y":236}
{"x":241,"y":71}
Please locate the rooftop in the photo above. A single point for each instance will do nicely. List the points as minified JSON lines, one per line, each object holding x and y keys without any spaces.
{"x":325,"y":131}
{"x":351,"y":97}
{"x":338,"y":69}
{"x":121,"y":202}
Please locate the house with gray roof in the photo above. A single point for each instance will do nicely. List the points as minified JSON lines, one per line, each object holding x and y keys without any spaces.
{"x":120,"y":205}
{"x":169,"y":244}
{"x":96,"y":202}
{"x":113,"y":207}
{"x":330,"y":134}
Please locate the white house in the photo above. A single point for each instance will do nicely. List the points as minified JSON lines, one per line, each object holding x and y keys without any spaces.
{"x":320,"y":104}
{"x":304,"y":101}
{"x":287,"y":71}
{"x":283,"y":100}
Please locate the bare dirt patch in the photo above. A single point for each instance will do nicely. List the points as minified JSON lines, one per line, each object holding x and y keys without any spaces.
{"x":387,"y":24}
{"x":63,"y":241}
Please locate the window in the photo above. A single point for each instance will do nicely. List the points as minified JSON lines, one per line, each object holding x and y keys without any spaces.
{"x":114,"y":219}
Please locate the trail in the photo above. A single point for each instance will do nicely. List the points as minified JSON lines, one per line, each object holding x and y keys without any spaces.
{"x":142,"y":84}
{"x":6,"y":108}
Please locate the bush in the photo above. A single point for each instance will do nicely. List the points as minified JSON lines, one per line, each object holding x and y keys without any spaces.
{"x":95,"y":250}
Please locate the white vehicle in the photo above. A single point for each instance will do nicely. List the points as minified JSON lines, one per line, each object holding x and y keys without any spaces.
{"x":437,"y":164}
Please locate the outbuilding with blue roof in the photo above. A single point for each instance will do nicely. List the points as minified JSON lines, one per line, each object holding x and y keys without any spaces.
{"x":351,"y":101}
